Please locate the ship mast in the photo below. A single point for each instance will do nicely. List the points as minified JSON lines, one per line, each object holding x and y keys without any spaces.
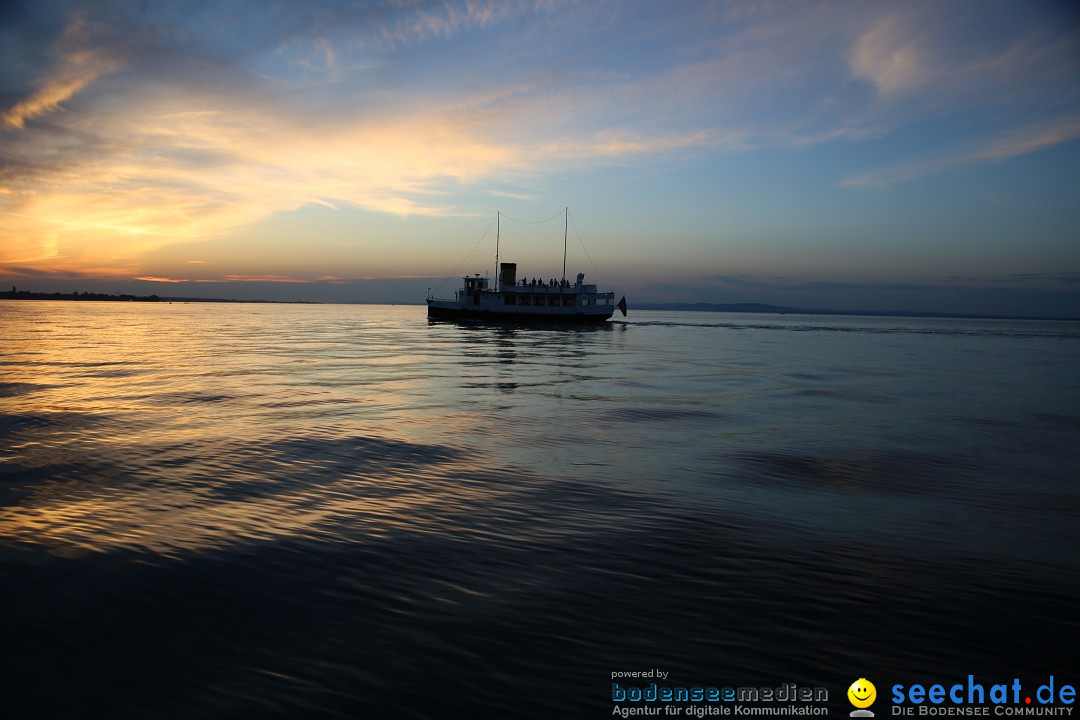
{"x":498,"y":280}
{"x":566,"y":222}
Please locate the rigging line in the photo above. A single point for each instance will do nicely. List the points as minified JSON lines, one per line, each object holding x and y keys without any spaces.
{"x":534,"y":222}
{"x":582,"y":242}
{"x":454,"y":272}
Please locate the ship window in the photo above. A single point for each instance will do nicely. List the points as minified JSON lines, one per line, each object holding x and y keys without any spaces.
{"x":568,"y":301}
{"x":538,"y":300}
{"x":510,"y":300}
{"x":524,"y":299}
{"x":553,"y":301}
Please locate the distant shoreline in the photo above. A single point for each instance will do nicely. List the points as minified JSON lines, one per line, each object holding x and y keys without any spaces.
{"x":104,"y":297}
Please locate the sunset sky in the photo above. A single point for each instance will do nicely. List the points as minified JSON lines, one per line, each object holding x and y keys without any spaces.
{"x":855,"y":155}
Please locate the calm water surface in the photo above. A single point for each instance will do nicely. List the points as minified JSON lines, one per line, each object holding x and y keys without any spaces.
{"x":228,"y":511}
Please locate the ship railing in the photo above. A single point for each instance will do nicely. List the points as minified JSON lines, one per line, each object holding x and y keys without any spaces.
{"x":542,"y":288}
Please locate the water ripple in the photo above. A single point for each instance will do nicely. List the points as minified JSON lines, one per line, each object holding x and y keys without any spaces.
{"x":313,"y":511}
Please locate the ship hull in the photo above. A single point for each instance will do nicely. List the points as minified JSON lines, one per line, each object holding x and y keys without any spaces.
{"x":442,"y":312}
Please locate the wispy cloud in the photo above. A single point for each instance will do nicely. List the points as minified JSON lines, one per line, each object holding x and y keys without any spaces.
{"x":1021,"y":141}
{"x":743,"y":280}
{"x":889,"y":56}
{"x":238,"y":278}
{"x":179,"y":175}
{"x":79,"y":63}
{"x":152,"y":278}
{"x":526,"y":197}
{"x":77,"y":71}
{"x":421,"y":22}
{"x":1019,"y":279}
{"x":266,"y":278}
{"x":43,"y":273}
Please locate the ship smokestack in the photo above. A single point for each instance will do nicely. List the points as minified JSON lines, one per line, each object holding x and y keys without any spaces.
{"x":507,"y":275}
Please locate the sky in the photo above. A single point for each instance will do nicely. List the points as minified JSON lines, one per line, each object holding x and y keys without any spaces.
{"x":914,"y":156}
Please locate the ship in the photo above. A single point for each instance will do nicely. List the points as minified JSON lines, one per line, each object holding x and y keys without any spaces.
{"x":526,"y":300}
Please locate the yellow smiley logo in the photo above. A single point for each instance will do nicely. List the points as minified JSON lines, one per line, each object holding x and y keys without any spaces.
{"x":862,"y":693}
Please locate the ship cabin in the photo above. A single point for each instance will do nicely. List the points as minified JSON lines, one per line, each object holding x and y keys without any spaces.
{"x":527,"y":297}
{"x":511,"y":293}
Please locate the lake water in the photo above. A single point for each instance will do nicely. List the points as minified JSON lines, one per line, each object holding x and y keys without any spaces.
{"x":224,"y":511}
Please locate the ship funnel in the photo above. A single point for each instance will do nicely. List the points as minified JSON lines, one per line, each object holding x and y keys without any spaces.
{"x":507,"y":275}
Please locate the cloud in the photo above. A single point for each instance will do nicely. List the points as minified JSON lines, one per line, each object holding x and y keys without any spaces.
{"x":1046,"y":279}
{"x":77,"y":71}
{"x":39,"y":273}
{"x":889,"y":56}
{"x":190,"y":168}
{"x":237,"y":278}
{"x":271,"y":278}
{"x":78,"y":65}
{"x":1020,"y":141}
{"x":743,"y":280}
{"x":266,"y":278}
{"x":151,"y":278}
{"x":440,"y":21}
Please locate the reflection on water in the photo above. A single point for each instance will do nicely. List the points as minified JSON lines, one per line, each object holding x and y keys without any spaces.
{"x":304,"y":511}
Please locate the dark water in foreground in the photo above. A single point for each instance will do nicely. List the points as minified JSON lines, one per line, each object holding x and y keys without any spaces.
{"x":219,"y":511}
